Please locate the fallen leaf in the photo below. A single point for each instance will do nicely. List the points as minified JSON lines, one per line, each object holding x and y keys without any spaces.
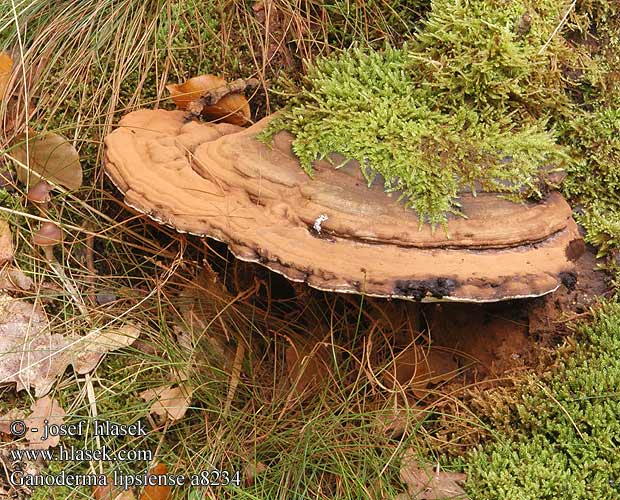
{"x":6,"y":242}
{"x":28,"y":352}
{"x":307,"y":365}
{"x":52,"y":157}
{"x":9,"y":417}
{"x":43,"y":409}
{"x":108,"y":492}
{"x":125,"y":495}
{"x":104,"y":492}
{"x":31,"y":356}
{"x":417,"y":367}
{"x":428,"y":483}
{"x":169,"y":402}
{"x":12,"y":278}
{"x":157,"y":492}
{"x":91,"y":348}
{"x":6,"y":65}
{"x":394,"y":422}
{"x":232,"y":108}
{"x":251,"y":470}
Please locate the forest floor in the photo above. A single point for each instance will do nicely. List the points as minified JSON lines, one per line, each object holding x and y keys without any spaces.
{"x":227,"y":372}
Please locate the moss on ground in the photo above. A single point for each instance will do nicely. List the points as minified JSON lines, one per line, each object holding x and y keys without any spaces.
{"x":566,"y":428}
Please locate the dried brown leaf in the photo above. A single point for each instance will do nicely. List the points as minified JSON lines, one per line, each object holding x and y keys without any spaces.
{"x":31,"y":356}
{"x":169,"y":402}
{"x":44,"y":409}
{"x":108,"y":492}
{"x":10,"y":416}
{"x":428,"y":483}
{"x":12,"y":278}
{"x":232,"y":108}
{"x":6,"y":242}
{"x":157,"y":492}
{"x":52,"y":157}
{"x":28,"y":352}
{"x":6,"y":65}
{"x":251,"y":471}
{"x":125,"y":495}
{"x":104,"y":492}
{"x":307,"y":365}
{"x":91,"y":348}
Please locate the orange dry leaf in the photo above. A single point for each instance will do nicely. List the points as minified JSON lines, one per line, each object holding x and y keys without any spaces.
{"x":232,"y":108}
{"x":108,"y":492}
{"x":6,"y":242}
{"x":416,"y":367}
{"x":104,"y":492}
{"x":308,"y":365}
{"x":6,"y":65}
{"x":157,"y":492}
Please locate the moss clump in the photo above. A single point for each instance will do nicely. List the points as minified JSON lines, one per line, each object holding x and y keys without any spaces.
{"x":593,"y":134}
{"x":565,"y":430}
{"x":466,"y":105}
{"x":594,"y":177}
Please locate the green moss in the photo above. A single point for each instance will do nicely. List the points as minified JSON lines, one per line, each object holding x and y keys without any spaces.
{"x":565,"y":429}
{"x":593,"y":134}
{"x":465,"y":106}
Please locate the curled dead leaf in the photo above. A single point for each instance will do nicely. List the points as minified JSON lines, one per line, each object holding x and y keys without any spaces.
{"x":12,"y":278}
{"x":44,"y":409}
{"x":6,"y":242}
{"x":169,"y":402}
{"x":91,"y":348}
{"x":429,"y":483}
{"x":28,"y":352}
{"x":48,"y":156}
{"x":307,"y":365}
{"x":108,"y":492}
{"x":6,"y":65}
{"x":157,"y":492}
{"x":31,"y":356}
{"x":104,"y":492}
{"x":251,"y":471}
{"x":232,"y":108}
{"x":8,"y":418}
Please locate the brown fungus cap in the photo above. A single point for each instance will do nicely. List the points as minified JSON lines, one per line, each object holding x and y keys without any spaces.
{"x":49,"y":234}
{"x":40,"y":192}
{"x":332,"y":231}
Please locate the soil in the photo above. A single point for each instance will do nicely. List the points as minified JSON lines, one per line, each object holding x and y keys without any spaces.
{"x":457,"y":343}
{"x":492,"y":340}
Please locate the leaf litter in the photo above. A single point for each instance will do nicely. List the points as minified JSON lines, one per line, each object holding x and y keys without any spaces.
{"x":430,"y":483}
{"x":33,"y":357}
{"x":213,"y":98}
{"x":45,"y":410}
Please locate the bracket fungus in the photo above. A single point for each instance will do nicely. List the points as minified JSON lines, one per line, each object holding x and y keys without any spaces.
{"x":333,"y":231}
